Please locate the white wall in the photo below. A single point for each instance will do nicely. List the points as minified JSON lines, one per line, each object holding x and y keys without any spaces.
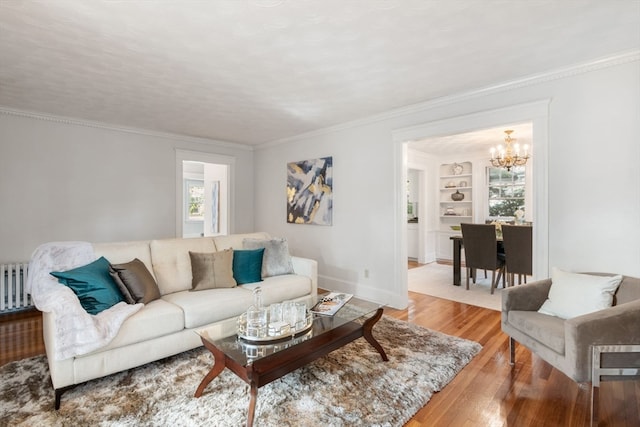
{"x":593,"y":180}
{"x":67,"y":181}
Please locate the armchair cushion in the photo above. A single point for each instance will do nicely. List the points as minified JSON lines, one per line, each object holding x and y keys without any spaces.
{"x":573,"y":294}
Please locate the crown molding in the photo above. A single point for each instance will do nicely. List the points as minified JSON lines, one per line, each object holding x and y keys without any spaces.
{"x":534,"y":79}
{"x":99,"y":125}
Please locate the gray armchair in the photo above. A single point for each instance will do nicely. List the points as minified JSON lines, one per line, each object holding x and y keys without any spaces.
{"x":567,"y":344}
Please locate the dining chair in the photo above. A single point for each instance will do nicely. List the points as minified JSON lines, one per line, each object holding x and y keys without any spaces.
{"x":518,"y":252}
{"x":481,"y":251}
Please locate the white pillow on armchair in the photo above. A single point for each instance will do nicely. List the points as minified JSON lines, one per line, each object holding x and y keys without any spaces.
{"x":574,"y":294}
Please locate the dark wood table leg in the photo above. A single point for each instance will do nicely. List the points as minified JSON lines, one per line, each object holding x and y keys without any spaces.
{"x":457,"y":249}
{"x":218,"y":367}
{"x":252,"y":404}
{"x":367,"y":333}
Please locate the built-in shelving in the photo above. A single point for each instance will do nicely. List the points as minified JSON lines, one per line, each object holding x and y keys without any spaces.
{"x":455,"y":178}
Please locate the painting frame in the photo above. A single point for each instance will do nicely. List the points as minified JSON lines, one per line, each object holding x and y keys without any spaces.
{"x":310,"y":191}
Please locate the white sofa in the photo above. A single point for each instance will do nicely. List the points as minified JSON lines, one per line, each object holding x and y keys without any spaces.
{"x":168,"y":325}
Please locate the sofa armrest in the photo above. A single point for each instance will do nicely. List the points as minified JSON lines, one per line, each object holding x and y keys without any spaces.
{"x":309,"y":268}
{"x":60,"y":371}
{"x":619,"y":324}
{"x":529,"y":297}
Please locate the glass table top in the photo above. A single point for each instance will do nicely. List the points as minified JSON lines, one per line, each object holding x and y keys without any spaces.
{"x":245,"y":352}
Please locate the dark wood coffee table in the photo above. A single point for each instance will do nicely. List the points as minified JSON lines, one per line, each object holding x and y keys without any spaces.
{"x":259,"y":364}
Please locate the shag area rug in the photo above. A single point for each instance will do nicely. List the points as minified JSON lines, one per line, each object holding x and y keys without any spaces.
{"x":350,"y":386}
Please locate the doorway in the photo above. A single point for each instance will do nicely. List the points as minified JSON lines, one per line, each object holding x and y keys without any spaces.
{"x":471,"y":151}
{"x":537,"y":114}
{"x":203,"y":194}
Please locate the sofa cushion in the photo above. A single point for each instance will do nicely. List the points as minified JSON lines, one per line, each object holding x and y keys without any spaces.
{"x":172,"y":264}
{"x":92,"y":284}
{"x":281,"y":288}
{"x":573,"y":294}
{"x":120,"y":252}
{"x":235,"y":241}
{"x":212,"y":270}
{"x":156,"y":319}
{"x":547,"y":330}
{"x":276,"y":260}
{"x":247,"y":265}
{"x":137,"y":279}
{"x":211,"y":305}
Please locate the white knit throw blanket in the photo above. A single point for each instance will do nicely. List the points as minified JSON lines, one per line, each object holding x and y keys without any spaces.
{"x":76,"y":331}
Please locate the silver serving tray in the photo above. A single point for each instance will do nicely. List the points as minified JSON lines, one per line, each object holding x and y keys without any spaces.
{"x":267,"y":339}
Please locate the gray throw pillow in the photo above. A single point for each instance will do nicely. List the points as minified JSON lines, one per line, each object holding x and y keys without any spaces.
{"x":277,"y":260}
{"x":212,"y":270}
{"x":137,"y":279}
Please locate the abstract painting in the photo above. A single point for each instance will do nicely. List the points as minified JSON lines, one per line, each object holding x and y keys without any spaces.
{"x":310,"y":191}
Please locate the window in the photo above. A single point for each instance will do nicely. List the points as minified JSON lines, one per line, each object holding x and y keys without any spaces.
{"x":506,"y":191}
{"x":195,"y":200}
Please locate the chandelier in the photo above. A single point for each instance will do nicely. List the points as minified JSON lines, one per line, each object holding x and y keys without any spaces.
{"x":509,"y":156}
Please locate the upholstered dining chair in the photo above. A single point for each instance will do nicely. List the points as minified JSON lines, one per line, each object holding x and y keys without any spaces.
{"x":517,"y":241}
{"x":481,"y":251}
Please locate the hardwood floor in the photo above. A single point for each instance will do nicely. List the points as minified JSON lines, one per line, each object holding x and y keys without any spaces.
{"x":20,"y":335}
{"x":414,"y":264}
{"x":487,"y":392}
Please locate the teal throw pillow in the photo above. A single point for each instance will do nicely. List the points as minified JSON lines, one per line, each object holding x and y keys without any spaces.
{"x":247,"y":265}
{"x":93,"y":285}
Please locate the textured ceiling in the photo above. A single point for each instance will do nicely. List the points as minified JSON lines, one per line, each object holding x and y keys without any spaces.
{"x":261,"y":70}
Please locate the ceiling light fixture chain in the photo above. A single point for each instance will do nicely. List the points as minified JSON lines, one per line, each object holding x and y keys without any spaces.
{"x":510,"y":155}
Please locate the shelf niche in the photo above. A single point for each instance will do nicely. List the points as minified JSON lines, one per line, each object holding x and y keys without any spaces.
{"x":455,"y":177}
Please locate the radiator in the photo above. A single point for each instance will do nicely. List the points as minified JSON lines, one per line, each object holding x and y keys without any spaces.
{"x":13,"y":294}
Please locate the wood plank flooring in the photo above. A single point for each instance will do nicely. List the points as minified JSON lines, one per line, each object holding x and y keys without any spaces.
{"x":20,"y":335}
{"x":487,"y":392}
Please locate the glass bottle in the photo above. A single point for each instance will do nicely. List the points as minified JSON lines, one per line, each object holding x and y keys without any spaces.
{"x":257,"y":316}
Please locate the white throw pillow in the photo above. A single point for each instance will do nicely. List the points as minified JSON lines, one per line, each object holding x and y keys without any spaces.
{"x":574,"y":294}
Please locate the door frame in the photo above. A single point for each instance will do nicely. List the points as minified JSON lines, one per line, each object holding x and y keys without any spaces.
{"x":199,"y":156}
{"x":535,"y":112}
